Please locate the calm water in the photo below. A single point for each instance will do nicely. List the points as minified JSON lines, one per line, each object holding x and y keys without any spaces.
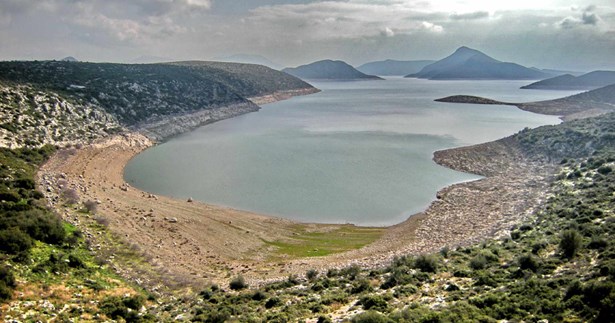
{"x":357,"y":152}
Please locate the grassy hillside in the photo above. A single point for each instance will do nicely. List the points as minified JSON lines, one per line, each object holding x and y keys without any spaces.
{"x":558,"y":265}
{"x":135,"y":93}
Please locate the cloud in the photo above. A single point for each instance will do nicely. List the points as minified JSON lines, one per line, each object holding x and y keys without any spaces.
{"x":432,"y":27}
{"x":470,"y":15}
{"x":588,"y":17}
{"x":388,"y":32}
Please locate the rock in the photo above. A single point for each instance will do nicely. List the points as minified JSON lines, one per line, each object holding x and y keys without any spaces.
{"x":190,"y":200}
{"x":172,"y":220}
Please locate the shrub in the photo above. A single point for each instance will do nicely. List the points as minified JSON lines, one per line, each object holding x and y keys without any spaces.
{"x":14,"y":241}
{"x":238,"y":283}
{"x":374,"y":302}
{"x":7,"y":284}
{"x":570,"y":242}
{"x":273,"y":302}
{"x":478,"y":262}
{"x":426,"y":263}
{"x":311,"y":274}
{"x":528,"y":262}
{"x":360,"y":286}
{"x":370,"y":317}
{"x":70,"y":195}
{"x":91,"y":206}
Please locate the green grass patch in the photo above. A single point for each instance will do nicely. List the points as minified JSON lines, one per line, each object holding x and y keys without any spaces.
{"x":316,"y":244}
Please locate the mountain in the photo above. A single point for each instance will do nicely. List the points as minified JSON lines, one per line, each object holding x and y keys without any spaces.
{"x":69,"y":59}
{"x":469,"y":64}
{"x":392,"y":67}
{"x":249,"y":59}
{"x":587,"y":81}
{"x":329,"y":70}
{"x":149,"y":59}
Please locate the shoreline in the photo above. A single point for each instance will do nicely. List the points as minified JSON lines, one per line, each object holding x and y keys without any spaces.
{"x":204,"y":243}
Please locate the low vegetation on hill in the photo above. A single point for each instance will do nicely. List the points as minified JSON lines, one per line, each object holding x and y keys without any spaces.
{"x":60,"y":102}
{"x":557,"y":265}
{"x":134,"y":93}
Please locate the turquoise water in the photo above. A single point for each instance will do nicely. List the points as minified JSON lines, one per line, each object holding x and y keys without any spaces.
{"x":357,"y":152}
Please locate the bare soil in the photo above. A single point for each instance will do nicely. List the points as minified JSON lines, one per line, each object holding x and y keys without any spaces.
{"x":204,"y":243}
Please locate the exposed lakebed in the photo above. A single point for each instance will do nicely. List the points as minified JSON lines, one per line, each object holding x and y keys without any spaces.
{"x":357,"y":152}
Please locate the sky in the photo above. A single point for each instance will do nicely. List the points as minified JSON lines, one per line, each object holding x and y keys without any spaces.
{"x":572,"y":35}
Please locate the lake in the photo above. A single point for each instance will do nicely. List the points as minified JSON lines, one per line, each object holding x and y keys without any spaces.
{"x":357,"y":152}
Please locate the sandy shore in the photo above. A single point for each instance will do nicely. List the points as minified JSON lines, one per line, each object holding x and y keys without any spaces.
{"x":200,"y":243}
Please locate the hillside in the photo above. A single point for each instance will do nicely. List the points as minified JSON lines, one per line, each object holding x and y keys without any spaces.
{"x":587,"y":81}
{"x":469,"y":64}
{"x":391,"y":67}
{"x":590,"y":103}
{"x":328,"y":70}
{"x":135,"y":95}
{"x":249,"y":59}
{"x":556,"y":264}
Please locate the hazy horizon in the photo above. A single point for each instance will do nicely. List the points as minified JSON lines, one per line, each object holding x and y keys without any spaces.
{"x":571,"y":35}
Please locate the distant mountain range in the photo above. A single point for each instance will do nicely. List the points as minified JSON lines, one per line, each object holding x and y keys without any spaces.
{"x":469,"y":64}
{"x":329,"y":70}
{"x":69,"y":59}
{"x":249,"y":59}
{"x":587,"y":81}
{"x":391,"y":67}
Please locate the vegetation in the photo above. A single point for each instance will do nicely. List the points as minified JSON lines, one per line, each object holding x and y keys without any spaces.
{"x":134,"y":93}
{"x":315,"y":244}
{"x":559,"y":265}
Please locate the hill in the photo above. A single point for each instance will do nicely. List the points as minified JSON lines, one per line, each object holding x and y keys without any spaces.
{"x":328,"y":70}
{"x":69,"y":59}
{"x":469,"y":64}
{"x":391,"y":67}
{"x":249,"y":59}
{"x":587,"y":81}
{"x":590,"y":103}
{"x":134,"y":95}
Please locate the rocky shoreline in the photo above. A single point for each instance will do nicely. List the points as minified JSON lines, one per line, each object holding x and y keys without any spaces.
{"x":197,"y":243}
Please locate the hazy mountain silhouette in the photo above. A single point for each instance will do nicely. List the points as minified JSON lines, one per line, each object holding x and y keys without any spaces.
{"x":393,"y":67}
{"x":249,"y":59}
{"x":587,"y":81}
{"x":469,"y":64}
{"x":329,"y":70}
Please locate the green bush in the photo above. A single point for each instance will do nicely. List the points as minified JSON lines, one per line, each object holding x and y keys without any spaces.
{"x":14,"y":241}
{"x":238,"y":283}
{"x":426,"y":263}
{"x":370,"y":317}
{"x":529,"y":262}
{"x":570,"y":242}
{"x":374,"y":302}
{"x":7,"y":284}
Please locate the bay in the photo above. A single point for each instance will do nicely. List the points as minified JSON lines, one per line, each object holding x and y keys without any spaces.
{"x":357,"y":152}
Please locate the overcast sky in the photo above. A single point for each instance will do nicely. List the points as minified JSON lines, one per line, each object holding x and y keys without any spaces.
{"x":576,"y":35}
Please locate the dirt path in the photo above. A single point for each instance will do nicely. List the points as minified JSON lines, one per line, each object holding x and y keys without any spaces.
{"x":202,"y":243}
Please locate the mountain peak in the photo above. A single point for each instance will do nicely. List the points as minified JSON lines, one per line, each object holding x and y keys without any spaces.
{"x":468,"y":63}
{"x":328,"y":69}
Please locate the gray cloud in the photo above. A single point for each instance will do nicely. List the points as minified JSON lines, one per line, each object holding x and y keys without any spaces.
{"x":293,"y":32}
{"x":470,"y":15}
{"x":589,"y":18}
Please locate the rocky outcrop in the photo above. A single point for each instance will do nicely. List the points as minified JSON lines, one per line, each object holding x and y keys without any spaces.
{"x":30,"y":116}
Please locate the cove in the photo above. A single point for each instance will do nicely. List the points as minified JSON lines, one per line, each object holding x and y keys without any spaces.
{"x":357,"y":152}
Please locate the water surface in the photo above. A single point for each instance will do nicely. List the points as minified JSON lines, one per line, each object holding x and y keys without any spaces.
{"x":357,"y":152}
